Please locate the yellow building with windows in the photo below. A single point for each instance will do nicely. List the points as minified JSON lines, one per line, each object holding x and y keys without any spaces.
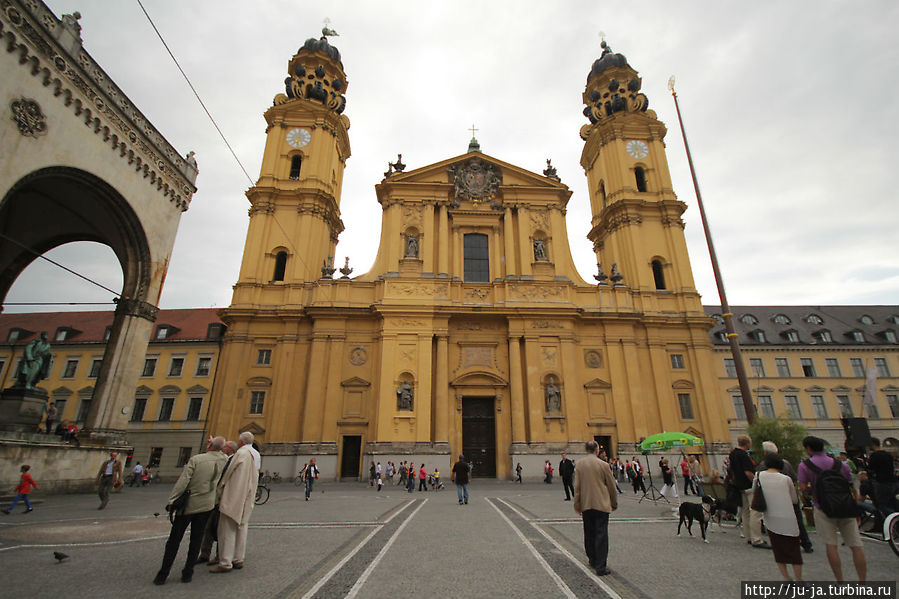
{"x":473,"y":332}
{"x":812,"y":363}
{"x":167,"y":419}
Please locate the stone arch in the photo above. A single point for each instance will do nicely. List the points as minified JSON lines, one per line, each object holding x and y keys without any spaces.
{"x":57,"y":205}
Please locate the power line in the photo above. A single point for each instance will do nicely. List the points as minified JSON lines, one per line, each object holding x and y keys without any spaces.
{"x":186,"y":78}
{"x":58,"y":303}
{"x":200,"y":100}
{"x":65,"y":268}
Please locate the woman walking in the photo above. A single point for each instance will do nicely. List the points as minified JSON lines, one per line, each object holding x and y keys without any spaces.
{"x":518,"y":472}
{"x":667,"y":478}
{"x":780,"y":517}
{"x":23,"y":489}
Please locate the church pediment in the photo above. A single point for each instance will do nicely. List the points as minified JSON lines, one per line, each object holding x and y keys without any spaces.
{"x":259,"y":381}
{"x":253,"y":428}
{"x":479,"y":379}
{"x":143,"y":391}
{"x":355,"y":382}
{"x":510,"y":175}
{"x":682,"y":384}
{"x":597,"y":384}
{"x":170,"y":390}
{"x":198,"y":389}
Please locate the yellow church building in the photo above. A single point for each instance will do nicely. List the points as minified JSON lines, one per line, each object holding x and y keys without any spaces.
{"x":473,"y":332}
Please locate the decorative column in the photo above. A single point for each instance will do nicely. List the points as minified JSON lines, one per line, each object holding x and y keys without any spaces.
{"x":426,"y":248}
{"x":524,"y":241}
{"x":516,"y":390}
{"x":333,"y":391}
{"x":315,"y":389}
{"x":423,"y":391}
{"x":442,"y":407}
{"x":443,"y":248}
{"x":509,"y":238}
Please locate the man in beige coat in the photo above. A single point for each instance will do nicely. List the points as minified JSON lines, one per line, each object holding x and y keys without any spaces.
{"x":595,"y":497}
{"x":200,"y":476}
{"x":238,"y":494}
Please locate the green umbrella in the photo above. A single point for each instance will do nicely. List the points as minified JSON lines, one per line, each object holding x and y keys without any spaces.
{"x":662,"y":441}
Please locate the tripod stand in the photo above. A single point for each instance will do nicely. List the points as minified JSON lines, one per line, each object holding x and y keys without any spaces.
{"x":651,"y":493}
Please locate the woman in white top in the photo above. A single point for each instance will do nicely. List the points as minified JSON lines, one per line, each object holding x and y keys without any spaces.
{"x":780,"y":518}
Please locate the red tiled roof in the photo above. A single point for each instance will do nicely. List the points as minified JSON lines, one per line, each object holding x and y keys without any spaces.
{"x":192,"y":323}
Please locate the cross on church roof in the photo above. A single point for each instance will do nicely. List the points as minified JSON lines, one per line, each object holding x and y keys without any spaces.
{"x":472,"y":129}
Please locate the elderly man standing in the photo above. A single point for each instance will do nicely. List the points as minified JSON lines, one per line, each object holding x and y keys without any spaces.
{"x":238,"y":493}
{"x":595,"y":497}
{"x":200,"y":477}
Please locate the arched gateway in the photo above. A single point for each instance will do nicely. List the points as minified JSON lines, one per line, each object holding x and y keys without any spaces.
{"x":81,"y":163}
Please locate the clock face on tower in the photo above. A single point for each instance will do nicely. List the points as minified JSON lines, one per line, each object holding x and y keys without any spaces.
{"x":637,"y":149}
{"x":298,"y":137}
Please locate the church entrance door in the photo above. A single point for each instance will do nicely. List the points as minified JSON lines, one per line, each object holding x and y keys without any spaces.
{"x":479,"y":435}
{"x":351,"y":456}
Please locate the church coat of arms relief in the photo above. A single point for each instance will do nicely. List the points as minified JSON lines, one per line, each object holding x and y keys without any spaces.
{"x":474,"y":180}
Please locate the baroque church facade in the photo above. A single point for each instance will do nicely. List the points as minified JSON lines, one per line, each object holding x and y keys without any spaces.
{"x":473,"y":331}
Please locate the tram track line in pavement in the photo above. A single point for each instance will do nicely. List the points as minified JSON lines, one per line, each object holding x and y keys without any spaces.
{"x":581,"y":579}
{"x":346,"y":577}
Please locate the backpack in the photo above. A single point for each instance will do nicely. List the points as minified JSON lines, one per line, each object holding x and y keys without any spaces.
{"x":832,"y":491}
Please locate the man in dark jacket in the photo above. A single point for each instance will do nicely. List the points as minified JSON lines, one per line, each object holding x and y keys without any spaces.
{"x":566,"y":471}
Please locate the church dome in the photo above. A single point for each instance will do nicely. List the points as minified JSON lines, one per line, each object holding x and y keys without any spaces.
{"x":321,"y":45}
{"x":605,"y":61}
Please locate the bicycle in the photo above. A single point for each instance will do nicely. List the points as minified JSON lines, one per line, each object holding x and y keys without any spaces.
{"x":266,"y":478}
{"x":262,"y":493}
{"x":276,"y":477}
{"x":874,"y":526}
{"x":298,"y":480}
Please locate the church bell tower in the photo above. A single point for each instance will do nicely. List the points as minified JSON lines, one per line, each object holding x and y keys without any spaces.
{"x":636,"y":217}
{"x":295,"y":204}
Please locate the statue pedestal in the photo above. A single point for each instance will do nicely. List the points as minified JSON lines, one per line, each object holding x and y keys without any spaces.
{"x":21,"y":409}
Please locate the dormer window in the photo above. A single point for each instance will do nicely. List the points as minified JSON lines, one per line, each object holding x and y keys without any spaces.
{"x":890,"y":336}
{"x":782,"y":319}
{"x":857,"y":336}
{"x":65,"y":333}
{"x":791,"y":336}
{"x":824,"y":336}
{"x":893,"y":319}
{"x":722,"y":336}
{"x":718,"y":318}
{"x":749,"y":319}
{"x":14,"y":335}
{"x":759,"y":335}
{"x":814,"y":319}
{"x":164,"y":331}
{"x":215,"y":330}
{"x":866,"y":320}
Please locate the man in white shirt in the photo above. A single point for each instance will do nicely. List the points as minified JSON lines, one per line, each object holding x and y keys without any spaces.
{"x":137,"y":475}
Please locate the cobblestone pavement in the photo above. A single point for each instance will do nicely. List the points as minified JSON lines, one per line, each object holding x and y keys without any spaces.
{"x":351,"y":541}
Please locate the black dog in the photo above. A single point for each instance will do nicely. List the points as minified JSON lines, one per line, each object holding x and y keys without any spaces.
{"x":695,"y":511}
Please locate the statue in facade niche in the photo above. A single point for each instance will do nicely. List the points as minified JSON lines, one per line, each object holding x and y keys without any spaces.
{"x":540,"y":250}
{"x":411,"y":246}
{"x":553,"y":397}
{"x":404,"y":396}
{"x":35,"y":362}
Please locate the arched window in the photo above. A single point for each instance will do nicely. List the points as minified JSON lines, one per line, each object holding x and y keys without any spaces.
{"x":280,"y":266}
{"x":658,"y":274}
{"x":640,"y":176}
{"x":602,"y":193}
{"x":295,"y":164}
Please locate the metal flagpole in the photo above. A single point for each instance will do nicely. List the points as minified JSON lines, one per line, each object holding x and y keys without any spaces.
{"x":745,"y":391}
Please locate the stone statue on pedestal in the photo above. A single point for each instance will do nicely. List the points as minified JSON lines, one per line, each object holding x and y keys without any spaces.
{"x":553,"y":397}
{"x":35,"y":363}
{"x":404,"y":396}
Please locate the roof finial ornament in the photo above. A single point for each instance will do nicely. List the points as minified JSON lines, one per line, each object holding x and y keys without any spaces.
{"x":473,"y":145}
{"x":327,"y":30}
{"x":606,"y":49}
{"x":398,"y":166}
{"x":550,"y":171}
{"x":346,"y":270}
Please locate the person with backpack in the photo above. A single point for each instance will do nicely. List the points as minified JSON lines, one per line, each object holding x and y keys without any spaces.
{"x":833,"y":496}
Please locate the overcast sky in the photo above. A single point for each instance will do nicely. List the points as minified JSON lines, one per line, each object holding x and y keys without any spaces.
{"x":790,"y":109}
